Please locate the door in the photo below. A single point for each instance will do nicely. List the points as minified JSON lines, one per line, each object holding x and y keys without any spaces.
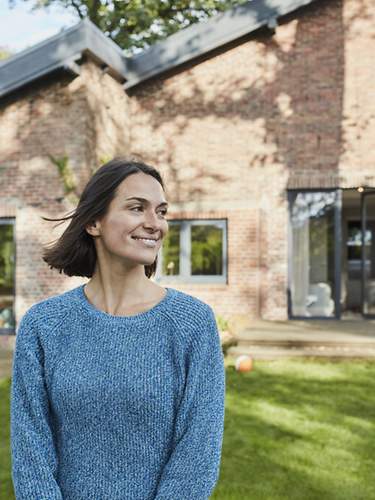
{"x":368,"y":253}
{"x":314,"y":254}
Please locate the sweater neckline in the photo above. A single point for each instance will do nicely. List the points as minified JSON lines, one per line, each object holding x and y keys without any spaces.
{"x":135,"y":318}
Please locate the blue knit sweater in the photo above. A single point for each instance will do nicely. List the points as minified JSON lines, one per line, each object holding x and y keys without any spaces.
{"x":108,"y":407}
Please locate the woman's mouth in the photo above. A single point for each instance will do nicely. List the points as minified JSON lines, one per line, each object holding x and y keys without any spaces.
{"x":145,"y":241}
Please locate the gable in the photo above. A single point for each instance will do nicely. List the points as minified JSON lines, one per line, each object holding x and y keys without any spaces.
{"x":65,"y":50}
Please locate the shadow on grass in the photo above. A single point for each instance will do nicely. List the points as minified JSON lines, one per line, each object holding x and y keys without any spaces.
{"x":299,"y":429}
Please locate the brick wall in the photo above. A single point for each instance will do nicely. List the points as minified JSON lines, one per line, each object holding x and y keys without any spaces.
{"x":84,"y":118}
{"x":234,"y":131}
{"x":230,"y":134}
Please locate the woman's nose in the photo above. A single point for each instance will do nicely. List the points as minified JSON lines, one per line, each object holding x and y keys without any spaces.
{"x":152,"y":220}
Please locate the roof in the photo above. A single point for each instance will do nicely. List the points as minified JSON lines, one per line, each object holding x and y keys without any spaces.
{"x":203,"y":37}
{"x":61,"y":51}
{"x":64,"y":50}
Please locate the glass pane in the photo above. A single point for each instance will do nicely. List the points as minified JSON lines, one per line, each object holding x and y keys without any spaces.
{"x":354,"y":244}
{"x":313,"y":254}
{"x":369,"y":288}
{"x":7,"y":257}
{"x":171,"y":251}
{"x":206,"y":249}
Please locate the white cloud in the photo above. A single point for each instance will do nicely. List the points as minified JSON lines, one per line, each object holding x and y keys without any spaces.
{"x":20,"y":28}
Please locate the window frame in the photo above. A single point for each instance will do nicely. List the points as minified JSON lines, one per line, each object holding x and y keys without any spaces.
{"x":185,"y":253}
{"x":11,"y":221}
{"x":337,"y":253}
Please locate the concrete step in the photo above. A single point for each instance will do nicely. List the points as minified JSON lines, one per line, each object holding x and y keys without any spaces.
{"x":273,"y":352}
{"x":304,"y":343}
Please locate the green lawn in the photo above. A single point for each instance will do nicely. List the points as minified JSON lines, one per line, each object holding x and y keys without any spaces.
{"x":294,"y":429}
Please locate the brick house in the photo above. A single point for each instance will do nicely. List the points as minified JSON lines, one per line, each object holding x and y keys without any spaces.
{"x":262,"y":123}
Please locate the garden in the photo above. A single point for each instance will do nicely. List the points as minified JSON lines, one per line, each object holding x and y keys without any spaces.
{"x":294,"y":429}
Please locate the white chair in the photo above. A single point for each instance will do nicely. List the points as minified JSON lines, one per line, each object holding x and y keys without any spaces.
{"x":323,"y":305}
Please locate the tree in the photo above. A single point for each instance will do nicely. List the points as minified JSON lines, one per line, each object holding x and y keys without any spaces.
{"x":5,"y":53}
{"x":137,"y":24}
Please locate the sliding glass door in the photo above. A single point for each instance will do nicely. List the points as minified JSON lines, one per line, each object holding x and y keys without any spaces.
{"x":314,"y":253}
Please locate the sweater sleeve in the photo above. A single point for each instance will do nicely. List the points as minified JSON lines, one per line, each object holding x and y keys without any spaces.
{"x":34,"y":460}
{"x":192,"y":469}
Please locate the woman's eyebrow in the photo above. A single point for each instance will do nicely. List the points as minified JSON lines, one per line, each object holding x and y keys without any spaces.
{"x":164,"y":203}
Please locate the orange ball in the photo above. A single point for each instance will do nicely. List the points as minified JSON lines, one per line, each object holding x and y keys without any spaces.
{"x":244,"y":363}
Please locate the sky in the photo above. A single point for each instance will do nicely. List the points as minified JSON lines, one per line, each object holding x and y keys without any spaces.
{"x":20,"y":28}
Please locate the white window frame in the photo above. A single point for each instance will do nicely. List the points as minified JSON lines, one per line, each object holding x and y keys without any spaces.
{"x":185,"y":254}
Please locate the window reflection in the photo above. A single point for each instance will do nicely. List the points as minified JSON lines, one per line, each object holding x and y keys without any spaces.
{"x":7,"y":258}
{"x":206,"y":250}
{"x":171,"y":251}
{"x":312,"y":253}
{"x":194,"y":250}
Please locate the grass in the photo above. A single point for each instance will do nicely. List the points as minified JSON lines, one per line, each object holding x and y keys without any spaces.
{"x":299,"y":429}
{"x":294,"y":429}
{"x":6,"y":487}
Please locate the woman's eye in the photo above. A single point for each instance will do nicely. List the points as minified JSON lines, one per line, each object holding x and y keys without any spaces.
{"x":163,"y":212}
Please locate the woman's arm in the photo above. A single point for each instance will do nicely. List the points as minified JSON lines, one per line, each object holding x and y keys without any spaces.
{"x":34,"y":460}
{"x":193,"y":466}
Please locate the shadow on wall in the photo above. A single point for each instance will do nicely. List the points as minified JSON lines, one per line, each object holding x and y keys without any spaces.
{"x":61,"y":117}
{"x":292,"y":89}
{"x":253,"y":118}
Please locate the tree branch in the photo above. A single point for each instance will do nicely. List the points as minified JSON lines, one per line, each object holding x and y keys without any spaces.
{"x":77,"y":8}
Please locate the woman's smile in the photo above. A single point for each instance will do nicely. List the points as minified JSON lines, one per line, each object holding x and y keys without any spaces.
{"x":146,"y":242}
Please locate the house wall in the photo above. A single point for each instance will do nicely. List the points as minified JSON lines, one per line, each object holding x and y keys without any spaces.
{"x":234,"y":131}
{"x":230,"y":134}
{"x":83,"y":118}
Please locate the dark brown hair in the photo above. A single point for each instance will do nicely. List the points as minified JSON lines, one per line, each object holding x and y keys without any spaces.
{"x":74,"y":253}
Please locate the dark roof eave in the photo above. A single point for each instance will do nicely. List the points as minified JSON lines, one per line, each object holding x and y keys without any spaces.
{"x":69,"y":65}
{"x":204,"y":37}
{"x":132,"y":82}
{"x":61,"y":51}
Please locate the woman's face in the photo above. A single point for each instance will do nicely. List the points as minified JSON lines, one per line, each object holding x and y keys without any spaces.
{"x":129,"y":218}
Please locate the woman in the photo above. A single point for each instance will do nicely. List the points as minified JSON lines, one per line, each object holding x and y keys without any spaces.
{"x":118,"y":385}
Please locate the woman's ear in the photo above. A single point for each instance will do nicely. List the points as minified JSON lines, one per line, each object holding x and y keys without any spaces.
{"x":93,"y":229}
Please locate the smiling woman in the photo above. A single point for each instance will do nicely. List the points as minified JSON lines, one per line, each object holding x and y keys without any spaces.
{"x":119,"y":384}
{"x":114,"y":238}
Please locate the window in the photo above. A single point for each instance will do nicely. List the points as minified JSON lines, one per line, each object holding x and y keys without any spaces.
{"x":194,"y":251}
{"x":7,"y":260}
{"x":354,"y":247}
{"x":312,"y":283}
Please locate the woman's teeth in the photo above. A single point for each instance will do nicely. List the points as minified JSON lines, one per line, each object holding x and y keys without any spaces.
{"x":146,"y":241}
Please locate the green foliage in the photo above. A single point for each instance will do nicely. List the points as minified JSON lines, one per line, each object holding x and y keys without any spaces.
{"x":5,"y":53}
{"x":6,"y":486}
{"x":7,"y":251}
{"x":171,"y":251}
{"x":206,"y":250}
{"x":65,"y":172}
{"x":222,"y":323}
{"x":67,"y":176}
{"x":137,"y":24}
{"x":105,"y":159}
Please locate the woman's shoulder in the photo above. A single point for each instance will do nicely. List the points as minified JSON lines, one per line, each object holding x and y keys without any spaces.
{"x":189,"y":304}
{"x":190,"y":313}
{"x":50,"y":310}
